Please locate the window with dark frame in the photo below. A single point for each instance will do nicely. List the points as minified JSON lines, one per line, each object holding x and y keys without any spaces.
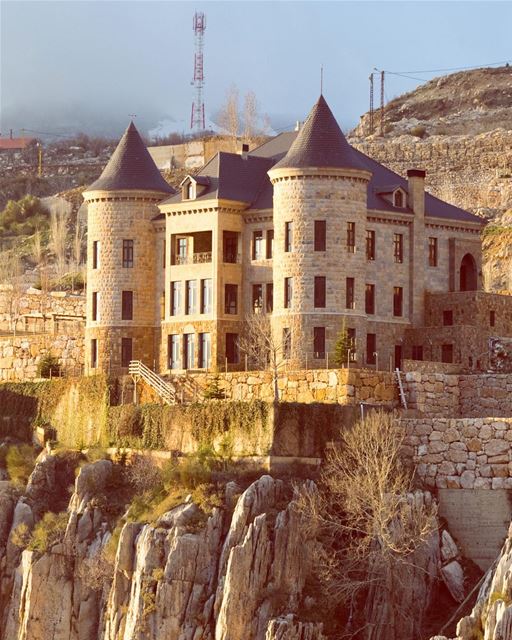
{"x":371,"y":348}
{"x":398,"y":294}
{"x":94,"y":305}
{"x":492,"y":318}
{"x":398,"y":199}
{"x":269,"y":297}
{"x":288,"y":236}
{"x":231,"y":299}
{"x":127,"y":305}
{"x":447,"y":317}
{"x":257,"y":298}
{"x":232,"y":353}
{"x":351,"y":237}
{"x":320,"y":292}
{"x":288,"y":292}
{"x":432,"y":252}
{"x":320,"y":235}
{"x":230,"y":247}
{"x":95,"y":254}
{"x":257,"y":245}
{"x":270,"y":244}
{"x":417,"y":352}
{"x":398,"y":247}
{"x":369,"y":299}
{"x":370,"y":244}
{"x":319,"y":342}
{"x":447,"y":353}
{"x":350,"y":293}
{"x":94,"y":353}
{"x":181,"y":249}
{"x":127,"y":254}
{"x":126,"y":352}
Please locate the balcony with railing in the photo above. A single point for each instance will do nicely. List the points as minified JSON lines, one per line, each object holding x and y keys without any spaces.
{"x":191,"y":248}
{"x":202,"y":257}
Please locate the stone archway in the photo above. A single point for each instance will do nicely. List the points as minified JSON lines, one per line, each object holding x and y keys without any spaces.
{"x":468,"y":273}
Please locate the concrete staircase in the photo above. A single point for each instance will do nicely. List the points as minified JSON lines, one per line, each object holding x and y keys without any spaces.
{"x":163,"y":388}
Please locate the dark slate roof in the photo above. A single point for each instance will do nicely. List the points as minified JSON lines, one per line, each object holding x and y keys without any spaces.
{"x":231,"y":177}
{"x":131,"y":167}
{"x":320,"y":143}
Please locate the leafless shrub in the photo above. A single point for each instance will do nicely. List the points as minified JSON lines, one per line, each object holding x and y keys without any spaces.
{"x":144,"y":474}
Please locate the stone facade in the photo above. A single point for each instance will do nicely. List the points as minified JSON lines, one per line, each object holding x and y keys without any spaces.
{"x":464,"y":453}
{"x":20,"y":356}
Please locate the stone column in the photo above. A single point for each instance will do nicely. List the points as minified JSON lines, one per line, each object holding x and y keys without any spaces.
{"x":416,"y":202}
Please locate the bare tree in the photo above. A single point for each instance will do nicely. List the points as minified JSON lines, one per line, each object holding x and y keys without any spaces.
{"x":229,"y":117}
{"x":373,"y":530}
{"x":265,"y":348}
{"x":11,"y":274}
{"x":77,"y":244}
{"x":250,"y":115}
{"x":39,"y":257}
{"x":59,"y":217}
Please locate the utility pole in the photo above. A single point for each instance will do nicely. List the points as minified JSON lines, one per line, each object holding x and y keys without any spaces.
{"x":372,"y":122}
{"x":382,"y":103}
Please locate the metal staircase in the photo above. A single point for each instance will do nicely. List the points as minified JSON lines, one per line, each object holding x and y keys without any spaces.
{"x":165,"y":390}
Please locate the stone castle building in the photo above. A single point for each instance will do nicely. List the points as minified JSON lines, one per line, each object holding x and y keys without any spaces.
{"x":305,"y":228}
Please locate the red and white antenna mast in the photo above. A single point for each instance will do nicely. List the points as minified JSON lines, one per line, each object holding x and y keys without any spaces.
{"x":197,"y":121}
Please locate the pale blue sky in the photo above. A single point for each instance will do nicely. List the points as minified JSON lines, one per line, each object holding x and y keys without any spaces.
{"x":87,"y":65}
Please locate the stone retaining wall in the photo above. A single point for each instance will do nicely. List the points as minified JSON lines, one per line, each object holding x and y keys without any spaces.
{"x":20,"y":356}
{"x":463,"y":453}
{"x":342,"y":386}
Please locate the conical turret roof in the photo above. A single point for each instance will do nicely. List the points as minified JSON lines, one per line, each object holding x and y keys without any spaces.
{"x":131,"y":167}
{"x":320,"y":143}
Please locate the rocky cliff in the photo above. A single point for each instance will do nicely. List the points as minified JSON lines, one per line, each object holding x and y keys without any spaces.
{"x":236,"y":572}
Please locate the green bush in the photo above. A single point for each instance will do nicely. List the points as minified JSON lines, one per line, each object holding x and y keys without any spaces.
{"x":48,"y":367}
{"x":48,"y":531}
{"x":19,"y":462}
{"x":24,"y":216}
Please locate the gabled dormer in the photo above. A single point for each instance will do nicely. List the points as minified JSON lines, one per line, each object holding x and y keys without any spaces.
{"x":395,"y":195}
{"x":193,"y":186}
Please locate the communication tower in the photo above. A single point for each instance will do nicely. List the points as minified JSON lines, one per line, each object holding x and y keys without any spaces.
{"x":197,"y":121}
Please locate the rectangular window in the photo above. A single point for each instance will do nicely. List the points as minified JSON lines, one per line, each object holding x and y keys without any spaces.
{"x":398,"y":356}
{"x":320,"y":235}
{"x":448,"y":318}
{"x":432,"y":252}
{"x":417,"y":352}
{"x":94,"y":353}
{"x":371,"y":348}
{"x":369,"y":299}
{"x":206,"y":295}
{"x":127,"y":305}
{"x":447,"y":353}
{"x":398,"y":247}
{"x":181,"y":250}
{"x":257,"y":245}
{"x":287,"y":343}
{"x":288,"y":236}
{"x":126,"y":352}
{"x":230,"y":247}
{"x":190,"y":297}
{"x":370,"y":244}
{"x":492,"y":318}
{"x":319,"y":342}
{"x":320,"y":293}
{"x":351,"y":237}
{"x":164,"y":249}
{"x":205,"y":350}
{"x":257,"y":298}
{"x":288,"y":293}
{"x":232,"y":348}
{"x":351,"y":334}
{"x":270,"y":297}
{"x":350,"y":293}
{"x":95,"y":315}
{"x":173,"y":351}
{"x":188,"y":351}
{"x":96,"y":254}
{"x":231,"y":299}
{"x":398,"y":295}
{"x":127,"y":254}
{"x":175,"y":298}
{"x":270,"y":244}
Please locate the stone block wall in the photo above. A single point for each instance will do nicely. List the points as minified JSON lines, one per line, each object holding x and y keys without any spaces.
{"x":432,"y":394}
{"x":463,"y":453}
{"x":487,"y":394}
{"x":341,"y":386}
{"x":20,"y":356}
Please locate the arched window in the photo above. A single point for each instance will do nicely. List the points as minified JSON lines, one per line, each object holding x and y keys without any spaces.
{"x":468,"y":273}
{"x":398,"y":198}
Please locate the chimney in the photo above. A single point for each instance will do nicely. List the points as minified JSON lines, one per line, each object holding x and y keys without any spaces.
{"x":245,"y":151}
{"x":416,"y":188}
{"x":10,"y":134}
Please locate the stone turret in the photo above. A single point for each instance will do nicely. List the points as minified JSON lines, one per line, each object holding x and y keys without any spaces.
{"x":322,"y":180}
{"x":122,"y":322}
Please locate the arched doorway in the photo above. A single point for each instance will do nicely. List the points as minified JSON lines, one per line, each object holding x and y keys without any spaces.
{"x":468,"y":274}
